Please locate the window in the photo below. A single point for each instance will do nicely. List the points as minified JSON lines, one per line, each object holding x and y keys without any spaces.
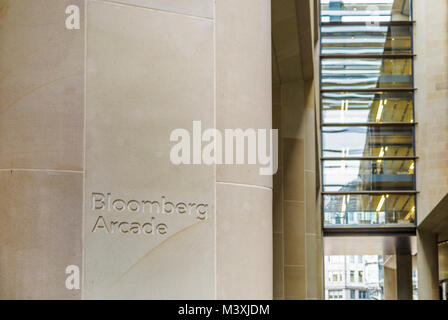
{"x":352,"y":259}
{"x":365,"y":73}
{"x":367,"y":113}
{"x":357,"y":209}
{"x":343,"y":40}
{"x":335,"y":294}
{"x":335,"y":277}
{"x":357,"y":277}
{"x":363,"y":11}
{"x":360,"y":259}
{"x":369,"y":175}
{"x":365,"y":107}
{"x":362,"y":295}
{"x":379,"y":142}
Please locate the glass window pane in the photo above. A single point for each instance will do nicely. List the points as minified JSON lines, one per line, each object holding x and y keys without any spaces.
{"x":387,"y":141}
{"x":359,"y":210}
{"x":365,"y":11}
{"x":368,"y":175}
{"x":362,"y":39}
{"x":364,"y":73}
{"x":340,"y":107}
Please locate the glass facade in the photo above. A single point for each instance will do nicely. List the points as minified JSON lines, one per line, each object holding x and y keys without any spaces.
{"x":368,"y":209}
{"x":368,"y":11}
{"x":368,"y":175}
{"x":367,"y":113}
{"x":367,"y":107}
{"x":362,"y":39}
{"x":367,"y":141}
{"x":365,"y":73}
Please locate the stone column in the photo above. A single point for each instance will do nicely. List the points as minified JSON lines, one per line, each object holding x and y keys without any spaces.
{"x":243,"y":196}
{"x":297,"y":223}
{"x":150,"y":70}
{"x":85,"y":172}
{"x":153,"y":67}
{"x":431,"y":98}
{"x":428,"y":266}
{"x":390,"y":283}
{"x":298,"y":253}
{"x":404,"y":277}
{"x":41,"y":148}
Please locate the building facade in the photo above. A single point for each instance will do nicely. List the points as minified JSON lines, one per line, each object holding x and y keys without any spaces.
{"x":354,"y":278}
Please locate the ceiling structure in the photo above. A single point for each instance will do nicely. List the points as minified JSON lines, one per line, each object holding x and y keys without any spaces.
{"x":292,"y":41}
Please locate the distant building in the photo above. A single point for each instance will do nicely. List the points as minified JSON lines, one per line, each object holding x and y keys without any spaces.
{"x":354,"y":278}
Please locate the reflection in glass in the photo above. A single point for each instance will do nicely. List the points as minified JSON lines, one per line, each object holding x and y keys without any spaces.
{"x":365,"y":11}
{"x":354,"y":73}
{"x":388,"y":141}
{"x":368,"y":175}
{"x":359,"y":210}
{"x":363,"y":39}
{"x":340,"y":107}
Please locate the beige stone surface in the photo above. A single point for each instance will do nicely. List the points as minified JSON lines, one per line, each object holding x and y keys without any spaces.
{"x":278,"y":266}
{"x":41,"y":87}
{"x":244,"y":197}
{"x":40,"y":233}
{"x":200,"y":8}
{"x":431,"y":99}
{"x":294,"y":225}
{"x":178,"y":268}
{"x":427,"y":266}
{"x":314,"y":267}
{"x":244,"y":242}
{"x":295,"y":285}
{"x":149,"y":72}
{"x":390,"y":284}
{"x":41,"y":139}
{"x":310,"y":139}
{"x":285,"y":38}
{"x":313,"y":219}
{"x":278,"y":203}
{"x":293,"y":110}
{"x":243,"y":77}
{"x":297,"y":218}
{"x":293,"y":170}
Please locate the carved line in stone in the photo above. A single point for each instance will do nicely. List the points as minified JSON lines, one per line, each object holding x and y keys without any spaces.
{"x":175,"y":235}
{"x":244,"y":185}
{"x":16,"y":100}
{"x":130,"y":5}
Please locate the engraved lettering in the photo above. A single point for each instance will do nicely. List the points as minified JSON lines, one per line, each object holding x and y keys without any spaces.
{"x":119,"y":205}
{"x":98,"y":201}
{"x":138,"y":209}
{"x":103,"y":224}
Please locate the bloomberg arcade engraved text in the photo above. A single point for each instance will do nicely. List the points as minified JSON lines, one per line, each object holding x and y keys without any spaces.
{"x":150,"y":210}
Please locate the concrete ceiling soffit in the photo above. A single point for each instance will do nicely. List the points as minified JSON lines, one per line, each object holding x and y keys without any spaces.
{"x":285,"y":39}
{"x":305,"y":13}
{"x":437,"y":221}
{"x":292,"y":39}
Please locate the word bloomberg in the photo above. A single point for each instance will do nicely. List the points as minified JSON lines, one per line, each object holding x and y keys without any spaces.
{"x":105,"y":203}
